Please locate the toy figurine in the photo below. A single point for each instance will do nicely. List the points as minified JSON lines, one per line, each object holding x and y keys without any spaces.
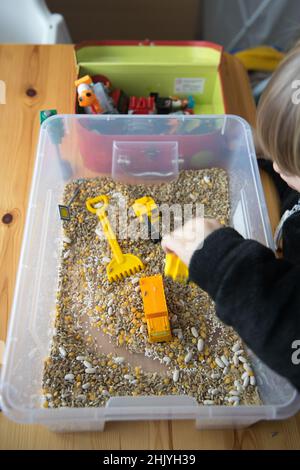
{"x":86,"y":95}
{"x":173,"y":104}
{"x":155,"y":309}
{"x":163,"y":105}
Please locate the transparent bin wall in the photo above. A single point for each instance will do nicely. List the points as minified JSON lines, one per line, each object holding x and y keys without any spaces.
{"x":176,"y":143}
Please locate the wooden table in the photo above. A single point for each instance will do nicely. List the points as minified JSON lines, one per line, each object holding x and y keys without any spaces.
{"x":42,"y":77}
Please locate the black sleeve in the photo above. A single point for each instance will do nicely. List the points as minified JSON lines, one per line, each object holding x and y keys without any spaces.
{"x":291,"y":239}
{"x":288,"y":196}
{"x":255,"y":293}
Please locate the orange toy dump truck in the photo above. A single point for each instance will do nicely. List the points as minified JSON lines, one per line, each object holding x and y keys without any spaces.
{"x":155,"y":309}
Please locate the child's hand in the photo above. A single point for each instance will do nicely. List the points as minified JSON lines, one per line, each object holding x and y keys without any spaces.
{"x":184,"y":241}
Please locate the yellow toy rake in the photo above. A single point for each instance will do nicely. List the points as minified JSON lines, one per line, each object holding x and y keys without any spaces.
{"x":122,"y":265}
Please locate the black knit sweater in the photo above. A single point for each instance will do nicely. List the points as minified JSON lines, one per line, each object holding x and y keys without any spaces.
{"x":255,"y":293}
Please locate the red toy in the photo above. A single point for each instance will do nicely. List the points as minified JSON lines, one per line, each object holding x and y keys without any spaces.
{"x":142,"y":105}
{"x":120,"y":100}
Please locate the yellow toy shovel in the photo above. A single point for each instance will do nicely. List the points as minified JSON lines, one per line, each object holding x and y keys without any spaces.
{"x":122,"y":265}
{"x":175,"y":268}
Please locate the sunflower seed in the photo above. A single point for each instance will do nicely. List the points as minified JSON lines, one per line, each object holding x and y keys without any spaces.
{"x":128,"y":377}
{"x":235,"y":347}
{"x":215,"y":375}
{"x":238,"y":386}
{"x":176,"y":375}
{"x":143,"y":329}
{"x":119,"y":360}
{"x":219,"y":362}
{"x":87,"y":364}
{"x":233,"y":399}
{"x":81,"y":397}
{"x":242,"y":359}
{"x":69,"y":377}
{"x":246,"y":381}
{"x":252,"y":380}
{"x":239,"y":352}
{"x":188,"y":357}
{"x":235,"y":360}
{"x":62,"y":351}
{"x":225,"y":360}
{"x":200,"y":344}
{"x":247,"y":367}
{"x":80,"y":358}
{"x":66,"y":254}
{"x":180,"y":335}
{"x":194,"y":332}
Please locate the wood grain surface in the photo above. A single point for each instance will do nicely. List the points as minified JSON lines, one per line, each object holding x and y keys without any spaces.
{"x":41,"y":77}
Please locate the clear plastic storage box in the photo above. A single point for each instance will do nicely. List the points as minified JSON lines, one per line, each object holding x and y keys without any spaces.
{"x":133,"y":149}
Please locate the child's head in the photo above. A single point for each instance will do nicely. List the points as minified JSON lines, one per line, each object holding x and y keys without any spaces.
{"x":278,"y":120}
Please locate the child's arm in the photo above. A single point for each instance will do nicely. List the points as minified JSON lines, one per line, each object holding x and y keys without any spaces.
{"x":255,"y":293}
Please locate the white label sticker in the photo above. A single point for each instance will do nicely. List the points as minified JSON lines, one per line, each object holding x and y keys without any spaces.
{"x":189,"y":85}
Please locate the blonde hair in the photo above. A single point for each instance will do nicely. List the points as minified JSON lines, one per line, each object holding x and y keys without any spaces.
{"x":278,"y":117}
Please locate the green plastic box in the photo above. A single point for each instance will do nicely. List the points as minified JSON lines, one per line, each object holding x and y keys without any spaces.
{"x":170,"y":68}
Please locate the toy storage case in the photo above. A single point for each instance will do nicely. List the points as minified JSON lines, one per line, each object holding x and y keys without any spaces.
{"x":155,"y":153}
{"x":170,"y":68}
{"x":139,"y":68}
